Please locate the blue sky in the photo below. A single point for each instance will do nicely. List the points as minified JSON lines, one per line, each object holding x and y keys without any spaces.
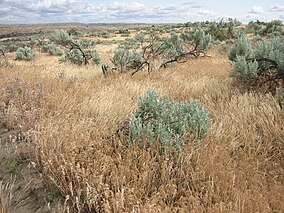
{"x":147,"y":11}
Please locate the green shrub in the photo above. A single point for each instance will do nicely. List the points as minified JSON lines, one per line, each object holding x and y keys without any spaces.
{"x":51,"y":49}
{"x":54,"y":50}
{"x":166,"y":121}
{"x":259,"y":63}
{"x":25,"y":53}
{"x":148,"y":49}
{"x":241,"y":48}
{"x":77,"y":57}
{"x":76,"y":51}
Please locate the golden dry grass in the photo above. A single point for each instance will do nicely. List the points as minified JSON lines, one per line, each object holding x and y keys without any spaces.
{"x":237,"y":168}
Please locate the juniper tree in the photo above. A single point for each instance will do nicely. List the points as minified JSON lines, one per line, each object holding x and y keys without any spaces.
{"x":76,"y":51}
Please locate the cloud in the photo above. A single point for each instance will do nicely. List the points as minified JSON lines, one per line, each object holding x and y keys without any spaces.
{"x":127,"y":7}
{"x":193,"y":4}
{"x":277,"y":8}
{"x":206,"y":13}
{"x":256,"y":10}
{"x":90,"y":11}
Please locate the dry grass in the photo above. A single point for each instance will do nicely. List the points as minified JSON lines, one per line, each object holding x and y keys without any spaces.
{"x":237,"y":168}
{"x":11,"y":198}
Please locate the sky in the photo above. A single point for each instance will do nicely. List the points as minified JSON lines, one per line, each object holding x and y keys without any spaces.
{"x":147,"y":11}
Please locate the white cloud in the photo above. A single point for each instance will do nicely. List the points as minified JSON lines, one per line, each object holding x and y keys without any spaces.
{"x":206,"y":13}
{"x":128,"y":7}
{"x":277,"y":8}
{"x":256,"y":10}
{"x":29,"y":11}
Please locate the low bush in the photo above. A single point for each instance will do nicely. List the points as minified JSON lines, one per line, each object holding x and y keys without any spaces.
{"x":25,"y":53}
{"x":166,"y":121}
{"x":258,"y":64}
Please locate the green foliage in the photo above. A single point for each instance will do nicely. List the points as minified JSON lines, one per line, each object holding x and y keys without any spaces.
{"x":222,"y":30}
{"x":12,"y":164}
{"x":100,"y":33}
{"x":166,"y":121}
{"x":259,"y":63}
{"x":74,"y":32}
{"x":123,"y":31}
{"x":126,"y":59}
{"x":52,"y":49}
{"x":241,"y":48}
{"x":179,"y":48}
{"x":54,"y":193}
{"x":125,"y":35}
{"x":61,"y":37}
{"x":25,"y":53}
{"x":255,"y":27}
{"x":219,"y":35}
{"x":174,"y":46}
{"x":245,"y":70}
{"x":146,"y":49}
{"x":2,"y":49}
{"x":198,"y":39}
{"x":76,"y":51}
{"x":77,"y":57}
{"x":273,"y":28}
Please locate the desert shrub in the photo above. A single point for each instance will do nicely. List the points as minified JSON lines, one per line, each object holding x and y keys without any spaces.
{"x":54,"y":50}
{"x":123,"y":31}
{"x":260,"y":63}
{"x":222,"y":30}
{"x":44,"y":48}
{"x":25,"y":53}
{"x":125,"y":35}
{"x":7,"y":47}
{"x":126,"y":59}
{"x":219,"y":35}
{"x":74,"y":32}
{"x":242,"y":48}
{"x":51,"y":49}
{"x":167,"y":121}
{"x":2,"y":49}
{"x":101,"y":33}
{"x":12,"y":48}
{"x":148,"y":49}
{"x":189,"y":44}
{"x":254,"y":27}
{"x":224,"y":49}
{"x":272,"y":27}
{"x":105,"y":34}
{"x":77,"y":57}
{"x":76,"y":51}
